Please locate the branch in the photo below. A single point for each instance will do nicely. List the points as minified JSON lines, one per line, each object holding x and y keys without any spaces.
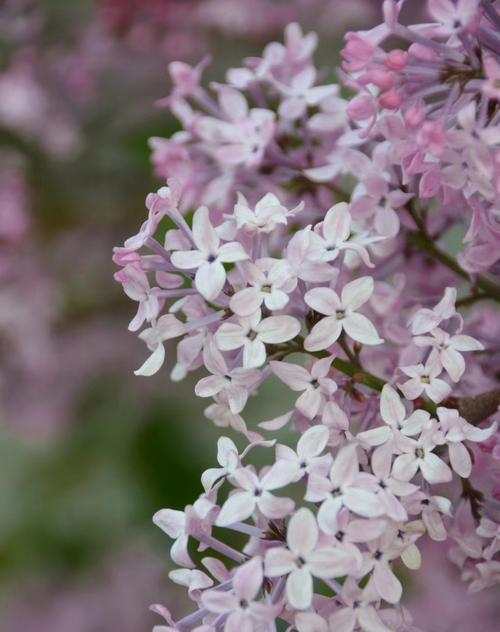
{"x":478,"y":407}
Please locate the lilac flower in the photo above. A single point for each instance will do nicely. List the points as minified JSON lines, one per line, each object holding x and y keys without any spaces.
{"x":267,"y":214}
{"x":240,"y":603}
{"x":165,"y":328}
{"x":231,"y":385}
{"x":303,"y":559}
{"x":424,"y":379}
{"x":341,"y":315}
{"x":308,"y":458}
{"x":270,"y":284}
{"x":417,"y":454}
{"x":253,"y":334}
{"x":209,"y":256}
{"x":343,"y":488}
{"x":255,"y":493}
{"x":446,"y":350}
{"x":315,"y":384}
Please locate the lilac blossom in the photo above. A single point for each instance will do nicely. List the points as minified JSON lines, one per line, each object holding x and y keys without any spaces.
{"x":322,"y":221}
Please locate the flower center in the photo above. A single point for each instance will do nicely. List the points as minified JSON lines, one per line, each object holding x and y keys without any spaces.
{"x":340,"y":314}
{"x":425,"y":379}
{"x":267,"y":289}
{"x":211,"y":258}
{"x":252,"y":335}
{"x":419,"y":453}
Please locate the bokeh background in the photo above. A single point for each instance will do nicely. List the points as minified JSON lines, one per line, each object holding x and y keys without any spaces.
{"x":88,"y":452}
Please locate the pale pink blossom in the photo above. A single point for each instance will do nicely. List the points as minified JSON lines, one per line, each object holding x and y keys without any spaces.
{"x":165,"y":328}
{"x":209,"y":257}
{"x":424,"y":379}
{"x":304,"y":559}
{"x":253,"y":334}
{"x":255,"y":493}
{"x":341,"y":314}
{"x":315,"y":384}
{"x":417,"y":454}
{"x":270,"y":283}
{"x":232,"y":386}
{"x":446,"y":350}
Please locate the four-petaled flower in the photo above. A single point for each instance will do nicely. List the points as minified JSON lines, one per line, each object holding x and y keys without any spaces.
{"x":209,"y":257}
{"x":341,"y":315}
{"x":303,"y":559}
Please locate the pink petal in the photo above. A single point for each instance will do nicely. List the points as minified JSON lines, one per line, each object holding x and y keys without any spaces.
{"x":323,"y":334}
{"x":248,"y":579}
{"x":437,"y":390}
{"x":391,"y":406}
{"x":434,"y":470}
{"x":279,"y":475}
{"x":309,"y":402}
{"x":210,"y":279}
{"x":345,"y":466}
{"x":278,"y":561}
{"x":343,"y":620}
{"x":276,"y":329}
{"x":238,"y":507}
{"x":188,"y":259}
{"x":229,"y":336}
{"x":219,"y":601}
{"x":460,"y":459}
{"x":313,"y":442}
{"x":337,"y":223}
{"x":387,"y":584}
{"x":359,"y":328}
{"x":273,"y":507}
{"x":357,"y":292}
{"x":254,"y":354}
{"x":299,"y":588}
{"x":362,"y":502}
{"x":204,"y":233}
{"x":232,"y":252}
{"x":293,"y":375}
{"x":323,"y":300}
{"x":453,"y":363}
{"x":209,"y":386}
{"x":246,"y":302}
{"x":370,"y":621}
{"x":405,"y":467}
{"x":330,"y":562}
{"x":302,"y":533}
{"x":153,"y":363}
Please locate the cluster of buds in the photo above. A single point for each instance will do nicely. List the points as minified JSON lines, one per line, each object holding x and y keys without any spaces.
{"x":319,"y":256}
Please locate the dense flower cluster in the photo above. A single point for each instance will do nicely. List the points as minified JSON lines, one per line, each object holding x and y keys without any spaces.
{"x":323,"y":253}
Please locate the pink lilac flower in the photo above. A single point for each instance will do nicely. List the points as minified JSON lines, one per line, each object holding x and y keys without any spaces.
{"x":303,"y":559}
{"x":341,"y":314}
{"x":209,"y":257}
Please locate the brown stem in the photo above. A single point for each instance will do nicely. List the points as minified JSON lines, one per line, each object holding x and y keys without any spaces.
{"x":478,"y":407}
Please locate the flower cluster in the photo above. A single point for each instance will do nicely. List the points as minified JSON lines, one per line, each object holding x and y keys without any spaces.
{"x":323,"y":254}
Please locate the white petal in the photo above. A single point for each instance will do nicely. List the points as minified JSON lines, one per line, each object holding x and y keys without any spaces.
{"x":323,"y":300}
{"x":277,"y":329}
{"x":210,"y":279}
{"x":293,"y":375}
{"x":153,"y":363}
{"x":313,"y":441}
{"x":359,"y":328}
{"x":302,"y":532}
{"x":434,"y":470}
{"x":391,"y":407}
{"x":357,"y":292}
{"x":323,"y":334}
{"x":299,"y":588}
{"x":238,"y":507}
{"x":204,"y":233}
{"x":278,"y":561}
